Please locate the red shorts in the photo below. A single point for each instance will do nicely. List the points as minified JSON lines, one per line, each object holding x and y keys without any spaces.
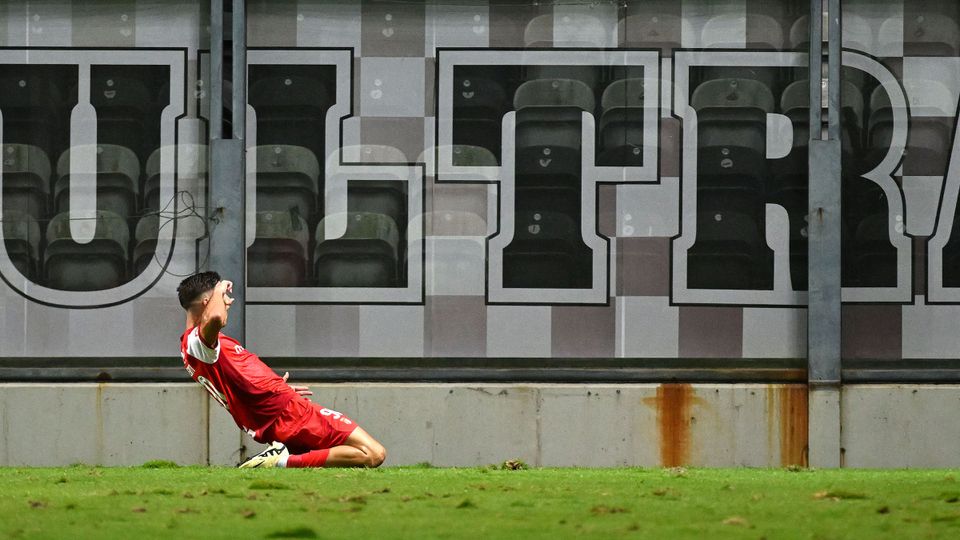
{"x":304,"y":426}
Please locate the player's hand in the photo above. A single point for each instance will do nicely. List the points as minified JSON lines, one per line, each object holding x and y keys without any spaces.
{"x":302,"y":390}
{"x":223,"y":287}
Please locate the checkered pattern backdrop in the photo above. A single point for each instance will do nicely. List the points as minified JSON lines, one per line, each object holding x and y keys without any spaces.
{"x":394,"y":104}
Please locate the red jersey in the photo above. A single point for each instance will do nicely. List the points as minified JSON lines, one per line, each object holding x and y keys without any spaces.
{"x":252,"y":392}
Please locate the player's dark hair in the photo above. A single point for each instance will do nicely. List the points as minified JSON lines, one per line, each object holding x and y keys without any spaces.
{"x":191,"y":288}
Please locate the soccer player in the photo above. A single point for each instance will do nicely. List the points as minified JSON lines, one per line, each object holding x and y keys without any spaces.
{"x":301,"y":433}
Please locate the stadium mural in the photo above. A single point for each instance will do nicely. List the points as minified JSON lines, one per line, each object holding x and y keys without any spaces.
{"x":612,"y":179}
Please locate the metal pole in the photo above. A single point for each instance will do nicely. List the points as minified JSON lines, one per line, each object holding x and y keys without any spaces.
{"x":239,"y":69}
{"x":823,"y":327}
{"x":216,"y":69}
{"x":227,"y":170}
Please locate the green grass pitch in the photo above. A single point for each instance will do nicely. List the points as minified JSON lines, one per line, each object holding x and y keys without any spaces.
{"x":484,"y":502}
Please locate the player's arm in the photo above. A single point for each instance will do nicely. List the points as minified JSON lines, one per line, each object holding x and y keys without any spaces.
{"x":214,"y":316}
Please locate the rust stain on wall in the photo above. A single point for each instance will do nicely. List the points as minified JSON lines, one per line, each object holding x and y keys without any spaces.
{"x":673,"y":403}
{"x":793,"y":425}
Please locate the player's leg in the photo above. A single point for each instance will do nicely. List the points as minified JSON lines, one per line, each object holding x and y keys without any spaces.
{"x":323,"y":437}
{"x":358,"y":450}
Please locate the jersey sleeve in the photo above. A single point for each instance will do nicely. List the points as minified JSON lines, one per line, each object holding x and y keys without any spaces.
{"x":199,"y":350}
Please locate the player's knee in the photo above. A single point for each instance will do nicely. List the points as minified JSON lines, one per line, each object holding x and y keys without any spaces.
{"x":376,"y":457}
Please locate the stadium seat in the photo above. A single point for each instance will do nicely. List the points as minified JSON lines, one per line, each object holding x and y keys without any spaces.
{"x":29,"y":103}
{"x":479,"y":97}
{"x":465,"y":155}
{"x":548,"y":131}
{"x":287,"y":180}
{"x":21,"y":235}
{"x":661,"y":31}
{"x":278,"y":256}
{"x":931,"y":35}
{"x":26,"y":180}
{"x":379,"y":197}
{"x":373,"y":153}
{"x":365,"y":256}
{"x":588,"y":75}
{"x":731,"y":161}
{"x":122,"y":106}
{"x":728,"y":254}
{"x":454,"y":223}
{"x":191,"y":158}
{"x":874,"y":257}
{"x":861,"y":198}
{"x":799,"y":248}
{"x":721,"y":31}
{"x":97,"y":265}
{"x":566,"y":31}
{"x":478,"y":107}
{"x":621,"y":124}
{"x":118,"y":172}
{"x":546,"y":252}
{"x":145,"y":241}
{"x":554,"y":93}
{"x":290,"y":110}
{"x":951,"y":256}
{"x":478,"y":132}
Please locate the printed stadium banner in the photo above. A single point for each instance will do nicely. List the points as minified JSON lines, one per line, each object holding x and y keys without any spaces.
{"x":591,"y":180}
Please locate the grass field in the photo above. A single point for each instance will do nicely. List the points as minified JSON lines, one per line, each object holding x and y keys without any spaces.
{"x":421,"y":502}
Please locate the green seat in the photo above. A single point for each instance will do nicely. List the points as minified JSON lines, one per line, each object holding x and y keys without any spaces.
{"x":365,"y":256}
{"x":97,"y":265}
{"x":21,"y":235}
{"x":278,"y":256}
{"x":26,"y":179}
{"x":473,"y":156}
{"x":287,"y":179}
{"x":118,"y":172}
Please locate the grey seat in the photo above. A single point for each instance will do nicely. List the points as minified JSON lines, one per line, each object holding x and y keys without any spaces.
{"x":21,"y":235}
{"x":931,"y":34}
{"x":657,"y":30}
{"x":731,"y":154}
{"x":117,"y":189}
{"x":379,"y":197}
{"x":145,"y":242}
{"x":30,"y":102}
{"x":287,"y":179}
{"x":97,"y":265}
{"x":291,"y":110}
{"x":548,"y":130}
{"x":123,"y":105}
{"x":366,"y":255}
{"x":278,"y":256}
{"x":728,"y":253}
{"x":621,"y":124}
{"x":26,"y":179}
{"x":473,"y":156}
{"x":874,"y":258}
{"x":191,"y":158}
{"x":546,"y":252}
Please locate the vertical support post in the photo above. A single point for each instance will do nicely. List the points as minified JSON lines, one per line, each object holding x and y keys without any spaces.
{"x":823,"y":327}
{"x":227,"y":172}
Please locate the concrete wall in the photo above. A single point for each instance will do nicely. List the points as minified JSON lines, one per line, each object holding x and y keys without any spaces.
{"x":468,"y":424}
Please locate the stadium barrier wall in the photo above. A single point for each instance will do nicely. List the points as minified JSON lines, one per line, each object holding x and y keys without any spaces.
{"x":601,"y":425}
